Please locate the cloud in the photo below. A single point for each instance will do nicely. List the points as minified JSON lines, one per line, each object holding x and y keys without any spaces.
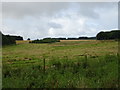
{"x":39,"y":20}
{"x":22,"y":9}
{"x":54,"y":25}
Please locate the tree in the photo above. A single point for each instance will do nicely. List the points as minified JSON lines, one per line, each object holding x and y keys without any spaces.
{"x":46,"y":40}
{"x":28,"y":39}
{"x":115,"y":34}
{"x":8,"y":39}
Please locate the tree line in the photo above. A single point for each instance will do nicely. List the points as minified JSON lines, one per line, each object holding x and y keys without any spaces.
{"x":52,"y":40}
{"x":9,"y":39}
{"x":109,"y":35}
{"x":45,"y":40}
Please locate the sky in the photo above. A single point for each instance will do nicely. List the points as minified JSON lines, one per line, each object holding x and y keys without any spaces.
{"x":37,"y":20}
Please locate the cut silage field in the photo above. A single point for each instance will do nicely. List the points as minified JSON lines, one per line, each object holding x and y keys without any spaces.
{"x":65,"y":64}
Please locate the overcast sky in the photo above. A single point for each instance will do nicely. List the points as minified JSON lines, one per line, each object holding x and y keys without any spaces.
{"x":61,"y":19}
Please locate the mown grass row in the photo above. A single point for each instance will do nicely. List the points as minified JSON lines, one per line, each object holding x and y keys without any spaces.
{"x":81,"y":72}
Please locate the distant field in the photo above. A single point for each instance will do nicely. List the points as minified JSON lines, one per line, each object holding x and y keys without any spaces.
{"x":75,"y":40}
{"x":27,"y":41}
{"x":22,"y":41}
{"x":68,"y":64}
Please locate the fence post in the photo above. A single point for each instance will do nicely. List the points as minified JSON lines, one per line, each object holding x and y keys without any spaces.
{"x":85,"y":64}
{"x":44,"y":64}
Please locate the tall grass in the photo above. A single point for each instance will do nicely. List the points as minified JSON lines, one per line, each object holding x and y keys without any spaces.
{"x":82,"y":72}
{"x":81,"y":64}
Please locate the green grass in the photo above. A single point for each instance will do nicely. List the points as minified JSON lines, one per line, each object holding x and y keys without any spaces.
{"x":81,"y":64}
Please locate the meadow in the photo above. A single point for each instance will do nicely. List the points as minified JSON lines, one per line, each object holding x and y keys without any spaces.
{"x":65,"y":64}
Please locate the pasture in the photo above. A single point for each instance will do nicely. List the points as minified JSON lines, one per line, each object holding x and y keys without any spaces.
{"x":65,"y":64}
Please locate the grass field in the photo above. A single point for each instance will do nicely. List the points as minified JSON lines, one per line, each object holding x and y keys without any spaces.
{"x":65,"y":64}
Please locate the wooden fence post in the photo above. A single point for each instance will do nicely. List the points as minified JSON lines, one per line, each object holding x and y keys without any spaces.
{"x":44,"y":64}
{"x":85,"y":63}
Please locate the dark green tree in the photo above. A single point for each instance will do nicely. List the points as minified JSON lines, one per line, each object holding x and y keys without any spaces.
{"x":28,"y":39}
{"x":115,"y":34}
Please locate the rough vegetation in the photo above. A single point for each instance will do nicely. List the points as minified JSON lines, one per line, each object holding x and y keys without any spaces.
{"x":68,"y":64}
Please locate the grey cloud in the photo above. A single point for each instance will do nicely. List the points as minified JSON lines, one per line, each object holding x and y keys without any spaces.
{"x":54,"y":25}
{"x":35,"y":19}
{"x":21,"y":9}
